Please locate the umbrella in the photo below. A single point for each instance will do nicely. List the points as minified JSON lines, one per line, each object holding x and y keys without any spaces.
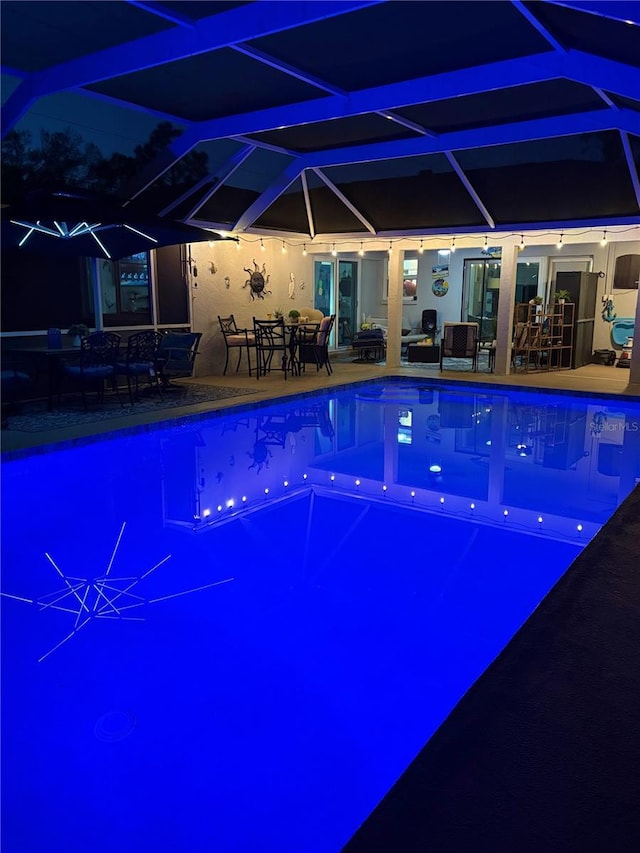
{"x":73,"y":224}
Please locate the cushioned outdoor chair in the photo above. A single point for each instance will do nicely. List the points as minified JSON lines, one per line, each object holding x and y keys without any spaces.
{"x":95,"y":364}
{"x":235,"y":338}
{"x":460,"y":340}
{"x":176,"y":356}
{"x":313,"y":348}
{"x":140,"y":360}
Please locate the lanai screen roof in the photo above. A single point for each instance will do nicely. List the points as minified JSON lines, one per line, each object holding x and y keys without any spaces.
{"x":347,"y":117}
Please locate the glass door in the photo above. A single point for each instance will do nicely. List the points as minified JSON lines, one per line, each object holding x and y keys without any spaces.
{"x":346,"y":316}
{"x":480,"y":294}
{"x":324,"y":286}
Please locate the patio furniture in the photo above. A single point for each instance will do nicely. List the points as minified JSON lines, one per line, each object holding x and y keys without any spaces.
{"x":271,"y":340}
{"x":176,"y":355}
{"x":16,"y":379}
{"x":313,"y":345}
{"x":96,"y":362}
{"x":235,"y":338}
{"x":370,"y":345}
{"x":460,"y":340}
{"x":422,"y":354}
{"x":140,"y":360}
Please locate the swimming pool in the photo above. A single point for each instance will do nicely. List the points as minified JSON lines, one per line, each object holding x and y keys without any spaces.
{"x":234,"y":633}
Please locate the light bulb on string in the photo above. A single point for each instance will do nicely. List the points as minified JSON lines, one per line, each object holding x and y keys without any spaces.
{"x":559,"y":244}
{"x":262,"y":249}
{"x":333,"y":250}
{"x":603,"y":242}
{"x":284,"y":248}
{"x":486,"y":243}
{"x":421,"y":249}
{"x":390,"y":249}
{"x":521,"y":242}
{"x":304,"y":249}
{"x":453,"y":245}
{"x":361,"y":250}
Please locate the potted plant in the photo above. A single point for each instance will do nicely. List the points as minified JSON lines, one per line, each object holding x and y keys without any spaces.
{"x":77,"y":331}
{"x":278,"y":313}
{"x":294,"y":315}
{"x":561,"y":296}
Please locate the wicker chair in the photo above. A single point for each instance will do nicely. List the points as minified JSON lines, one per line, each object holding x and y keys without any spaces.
{"x":460,"y":340}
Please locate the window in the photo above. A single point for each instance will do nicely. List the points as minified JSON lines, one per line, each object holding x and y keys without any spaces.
{"x":126,"y":291}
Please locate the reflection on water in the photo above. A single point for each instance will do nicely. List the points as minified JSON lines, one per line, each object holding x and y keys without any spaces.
{"x":236,"y":633}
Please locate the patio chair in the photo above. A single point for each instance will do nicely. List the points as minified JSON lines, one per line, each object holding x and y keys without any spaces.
{"x":96,"y":362}
{"x":176,"y":355}
{"x":313,"y":348}
{"x":16,"y":380}
{"x":271,"y":340}
{"x":140,"y":360}
{"x":235,"y":338}
{"x":460,"y":340}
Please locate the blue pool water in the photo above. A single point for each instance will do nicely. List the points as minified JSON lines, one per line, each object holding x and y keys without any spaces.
{"x":233,"y":634}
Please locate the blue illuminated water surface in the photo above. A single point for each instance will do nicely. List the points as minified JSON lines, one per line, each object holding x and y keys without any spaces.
{"x":232,"y":634}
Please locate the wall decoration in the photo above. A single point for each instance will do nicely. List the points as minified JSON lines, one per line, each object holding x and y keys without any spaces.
{"x":440,"y":270}
{"x":257,"y":281}
{"x":292,"y":285}
{"x":627,"y":273}
{"x":227,"y":282}
{"x":440,"y":287}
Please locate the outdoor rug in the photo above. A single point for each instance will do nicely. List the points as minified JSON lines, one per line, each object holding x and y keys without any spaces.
{"x":33,"y":416}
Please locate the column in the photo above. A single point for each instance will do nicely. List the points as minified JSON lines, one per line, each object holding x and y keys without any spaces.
{"x":394,"y":308}
{"x":508,"y":268}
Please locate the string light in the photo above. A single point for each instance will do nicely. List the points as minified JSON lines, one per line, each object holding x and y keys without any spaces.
{"x":521,"y":242}
{"x":284,"y":248}
{"x":421,"y":249}
{"x":453,"y":244}
{"x":304,"y":249}
{"x":486,"y":243}
{"x":559,"y":244}
{"x":262,"y":249}
{"x":361,"y":251}
{"x":603,"y":242}
{"x":333,"y":250}
{"x":390,"y":247}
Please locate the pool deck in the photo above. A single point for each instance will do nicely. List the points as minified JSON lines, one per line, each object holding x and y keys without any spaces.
{"x":543,"y":752}
{"x":594,"y":378}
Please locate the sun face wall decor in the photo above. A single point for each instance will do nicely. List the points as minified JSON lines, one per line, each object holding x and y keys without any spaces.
{"x":257,"y":281}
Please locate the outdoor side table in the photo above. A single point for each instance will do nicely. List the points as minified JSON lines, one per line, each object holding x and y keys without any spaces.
{"x":419,"y":353}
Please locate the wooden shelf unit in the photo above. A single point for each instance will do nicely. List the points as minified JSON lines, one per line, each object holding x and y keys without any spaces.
{"x":542,"y":339}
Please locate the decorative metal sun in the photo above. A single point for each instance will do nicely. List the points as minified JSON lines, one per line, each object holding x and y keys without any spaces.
{"x":104,"y":597}
{"x":257,"y":281}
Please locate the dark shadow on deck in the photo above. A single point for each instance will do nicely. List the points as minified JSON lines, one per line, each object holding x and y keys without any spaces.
{"x":543,"y":752}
